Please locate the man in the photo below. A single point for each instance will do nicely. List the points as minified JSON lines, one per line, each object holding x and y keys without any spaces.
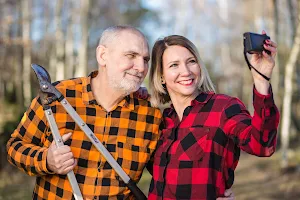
{"x":127,"y":126}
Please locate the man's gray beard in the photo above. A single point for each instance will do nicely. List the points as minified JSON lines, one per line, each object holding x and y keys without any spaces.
{"x":126,"y":86}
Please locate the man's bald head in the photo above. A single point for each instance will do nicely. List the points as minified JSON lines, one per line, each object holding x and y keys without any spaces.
{"x":110,"y":34}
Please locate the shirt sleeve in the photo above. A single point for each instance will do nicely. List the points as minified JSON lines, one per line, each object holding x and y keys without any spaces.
{"x":25,"y":149}
{"x":156,"y":141}
{"x":256,"y":135}
{"x":150,"y":163}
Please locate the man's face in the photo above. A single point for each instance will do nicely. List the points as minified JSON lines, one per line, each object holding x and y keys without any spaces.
{"x":127,"y":61}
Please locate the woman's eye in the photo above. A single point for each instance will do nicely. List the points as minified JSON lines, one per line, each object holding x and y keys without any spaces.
{"x":192,"y":61}
{"x":173,"y":65}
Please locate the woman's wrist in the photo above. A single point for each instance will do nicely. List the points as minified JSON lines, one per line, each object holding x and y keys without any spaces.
{"x":262,"y":86}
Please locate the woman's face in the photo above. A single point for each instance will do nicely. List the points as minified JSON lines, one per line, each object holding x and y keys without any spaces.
{"x":180,"y":71}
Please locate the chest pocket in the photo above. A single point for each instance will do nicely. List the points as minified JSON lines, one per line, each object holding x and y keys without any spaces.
{"x":193,"y":145}
{"x":132,"y":158}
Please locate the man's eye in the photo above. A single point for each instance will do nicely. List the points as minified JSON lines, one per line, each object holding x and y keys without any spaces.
{"x":130,"y":55}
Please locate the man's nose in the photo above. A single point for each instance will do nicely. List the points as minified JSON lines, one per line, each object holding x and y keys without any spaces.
{"x":140,"y":65}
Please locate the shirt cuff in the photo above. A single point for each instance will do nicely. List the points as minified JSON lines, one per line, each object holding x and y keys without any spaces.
{"x":44,"y":163}
{"x":261,"y":101}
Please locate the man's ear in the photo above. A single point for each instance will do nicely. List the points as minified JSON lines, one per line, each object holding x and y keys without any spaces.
{"x":101,"y":53}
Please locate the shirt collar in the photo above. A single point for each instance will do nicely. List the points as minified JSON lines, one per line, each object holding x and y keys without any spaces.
{"x":202,"y":98}
{"x":87,"y":94}
{"x":89,"y":98}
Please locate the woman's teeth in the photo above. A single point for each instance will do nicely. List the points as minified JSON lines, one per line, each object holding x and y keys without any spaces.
{"x":187,"y":82}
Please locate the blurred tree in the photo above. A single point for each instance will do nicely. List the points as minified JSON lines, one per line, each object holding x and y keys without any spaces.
{"x":287,"y":98}
{"x":81,"y":69}
{"x":17,"y":63}
{"x":274,"y":33}
{"x":59,"y":41}
{"x":69,"y":44}
{"x":26,"y":22}
{"x":6,"y":20}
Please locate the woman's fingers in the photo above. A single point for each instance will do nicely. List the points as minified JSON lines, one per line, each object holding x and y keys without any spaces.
{"x":271,"y":43}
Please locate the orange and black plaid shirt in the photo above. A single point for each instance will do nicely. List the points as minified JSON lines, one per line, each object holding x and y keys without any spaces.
{"x":129,"y":132}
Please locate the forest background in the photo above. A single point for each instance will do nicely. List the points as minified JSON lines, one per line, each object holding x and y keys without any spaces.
{"x":62,"y":35}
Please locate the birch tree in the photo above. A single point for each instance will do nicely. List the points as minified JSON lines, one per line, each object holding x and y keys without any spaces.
{"x":17,"y":62}
{"x":59,"y":38}
{"x":69,"y":44}
{"x":26,"y":4}
{"x":287,"y":97}
{"x":81,"y":70}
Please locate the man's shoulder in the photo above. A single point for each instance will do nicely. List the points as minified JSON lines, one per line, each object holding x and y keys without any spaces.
{"x":145,"y":104}
{"x":70,"y":84}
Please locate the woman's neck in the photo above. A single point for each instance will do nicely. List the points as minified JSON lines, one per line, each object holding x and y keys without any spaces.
{"x":181,"y":102}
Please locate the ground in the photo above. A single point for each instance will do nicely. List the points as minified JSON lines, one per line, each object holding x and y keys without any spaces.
{"x":256,"y":178}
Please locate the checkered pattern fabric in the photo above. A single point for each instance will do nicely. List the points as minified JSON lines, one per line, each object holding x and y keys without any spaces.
{"x":130,"y":133}
{"x":196,"y":158}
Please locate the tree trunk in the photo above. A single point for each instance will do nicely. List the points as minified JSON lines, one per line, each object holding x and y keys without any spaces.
{"x":59,"y":38}
{"x":287,"y":98}
{"x":81,"y":70}
{"x":69,"y":46}
{"x":45,"y":42}
{"x":17,"y":62}
{"x":3,"y":49}
{"x":225,"y":48}
{"x":26,"y":4}
{"x":275,"y":81}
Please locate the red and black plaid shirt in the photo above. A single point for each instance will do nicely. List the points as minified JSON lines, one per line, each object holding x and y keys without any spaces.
{"x":196,"y":157}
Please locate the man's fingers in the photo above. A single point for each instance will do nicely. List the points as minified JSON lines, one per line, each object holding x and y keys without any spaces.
{"x":225,"y":198}
{"x":67,"y":136}
{"x":68,"y":163}
{"x":69,"y":167}
{"x":228,"y":192}
{"x":62,"y":150}
{"x":67,"y":156}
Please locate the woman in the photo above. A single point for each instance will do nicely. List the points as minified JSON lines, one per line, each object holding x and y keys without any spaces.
{"x":202,"y":131}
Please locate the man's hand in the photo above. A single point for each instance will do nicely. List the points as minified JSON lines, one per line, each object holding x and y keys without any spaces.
{"x":141,"y":93}
{"x":228,"y":195}
{"x":60,"y":160}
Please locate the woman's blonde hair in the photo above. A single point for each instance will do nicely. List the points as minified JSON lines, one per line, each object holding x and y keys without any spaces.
{"x":159,"y":93}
